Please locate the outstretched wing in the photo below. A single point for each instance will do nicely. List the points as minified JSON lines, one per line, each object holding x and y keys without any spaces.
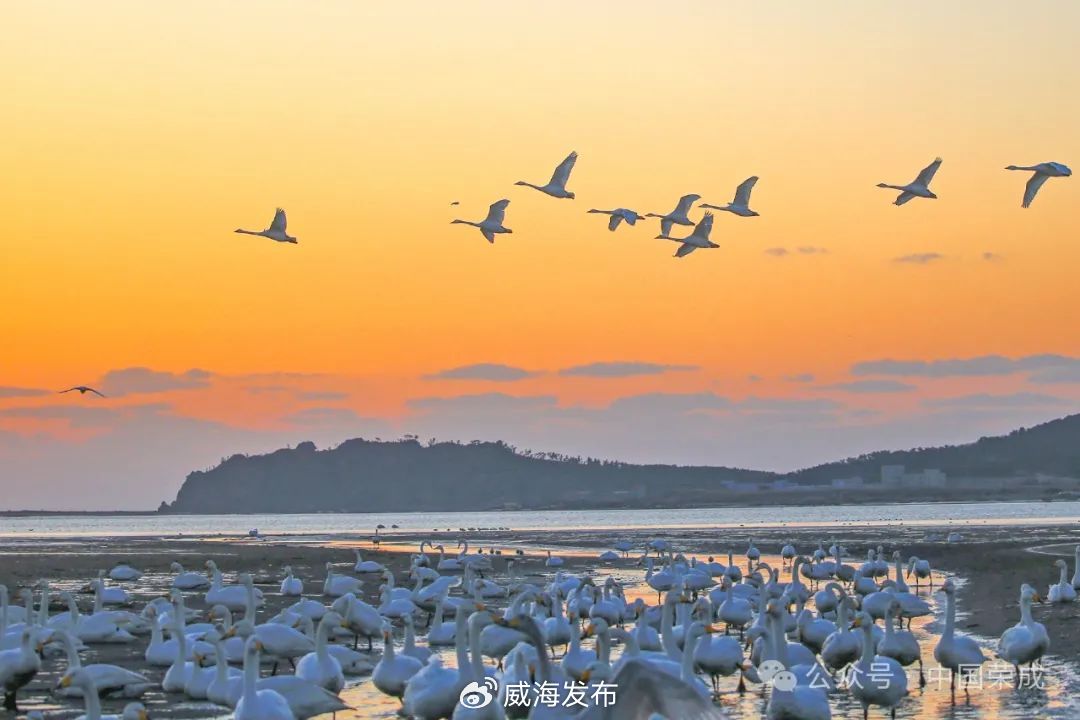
{"x":61,"y":392}
{"x":665,"y":226}
{"x":704,"y":227}
{"x":685,"y":249}
{"x":927,"y":173}
{"x":95,"y":392}
{"x":614,"y":221}
{"x":489,"y":235}
{"x":684,"y":204}
{"x":562,"y":173}
{"x":742,"y":193}
{"x":643,"y":692}
{"x":902,"y":198}
{"x":1032,"y":188}
{"x":279,"y":221}
{"x":497,"y":212}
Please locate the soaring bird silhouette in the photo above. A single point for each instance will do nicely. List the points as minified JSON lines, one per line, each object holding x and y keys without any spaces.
{"x":618,"y":215}
{"x":83,"y":389}
{"x":493,"y":223}
{"x":556,"y":187}
{"x":741,"y":204}
{"x":919,"y":188}
{"x":678,"y":216}
{"x":276,"y":231}
{"x":1043,"y":171}
{"x":699,"y":238}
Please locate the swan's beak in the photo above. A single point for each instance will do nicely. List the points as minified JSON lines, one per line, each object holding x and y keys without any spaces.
{"x":481,"y":606}
{"x":711,"y":629}
{"x":231,"y":632}
{"x":143,"y":715}
{"x":258,"y":645}
{"x":65,"y":682}
{"x":585,"y":676}
{"x":590,"y":630}
{"x":1037,"y":598}
{"x":857,"y":622}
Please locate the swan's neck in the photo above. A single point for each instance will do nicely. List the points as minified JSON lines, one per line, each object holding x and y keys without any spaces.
{"x":99,"y":597}
{"x":868,"y":642}
{"x":461,"y":640}
{"x":43,"y":611}
{"x":72,"y":654}
{"x":476,"y":657}
{"x":410,"y":634}
{"x":73,"y":612}
{"x":688,"y":656}
{"x":388,"y":647}
{"x":221,"y":666}
{"x":950,"y":616}
{"x":438,"y":619}
{"x":249,"y":604}
{"x":321,"y":636}
{"x":667,"y":622}
{"x":1064,"y":577}
{"x":776,"y":634}
{"x":91,"y":701}
{"x":251,"y":674}
{"x":1025,"y":611}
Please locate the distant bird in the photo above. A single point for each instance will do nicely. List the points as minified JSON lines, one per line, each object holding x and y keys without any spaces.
{"x":455,"y":202}
{"x":678,"y":216}
{"x":919,"y":188}
{"x":741,"y":204}
{"x":1042,"y":172}
{"x":556,"y":187}
{"x":697,"y":239}
{"x":83,"y":389}
{"x":276,"y":231}
{"x":493,"y":223}
{"x":618,"y":215}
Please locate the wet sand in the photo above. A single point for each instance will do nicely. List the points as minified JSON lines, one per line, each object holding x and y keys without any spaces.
{"x":992,"y":562}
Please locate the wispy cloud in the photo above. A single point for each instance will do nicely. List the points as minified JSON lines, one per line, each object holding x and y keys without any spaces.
{"x":321,"y":395}
{"x":919,"y":258}
{"x":975,"y":366}
{"x":812,"y":250}
{"x":139,"y":380}
{"x":777,"y":251}
{"x":800,"y":378}
{"x":19,"y":392}
{"x":494,"y":372}
{"x":623,"y":369}
{"x":986,"y":400}
{"x":870,"y":386}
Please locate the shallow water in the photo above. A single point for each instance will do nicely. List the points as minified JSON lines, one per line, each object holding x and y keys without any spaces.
{"x":941,"y":514}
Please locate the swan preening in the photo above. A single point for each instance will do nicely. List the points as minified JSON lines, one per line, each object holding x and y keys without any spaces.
{"x":741,"y":204}
{"x":276,"y":231}
{"x":492,"y":225}
{"x":556,"y":187}
{"x":920,"y":187}
{"x":699,"y":238}
{"x":1041,"y":173}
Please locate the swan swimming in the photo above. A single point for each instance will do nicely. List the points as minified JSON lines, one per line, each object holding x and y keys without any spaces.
{"x":1042,"y":172}
{"x":492,"y":225}
{"x":741,"y":204}
{"x":276,"y":231}
{"x":920,"y":187}
{"x":556,"y":187}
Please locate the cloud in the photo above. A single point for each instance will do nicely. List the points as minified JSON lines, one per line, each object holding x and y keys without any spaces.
{"x":919,"y":258}
{"x":494,"y":372}
{"x":137,"y":380}
{"x":1059,"y":374}
{"x":653,"y":404}
{"x":483,"y":403}
{"x":813,"y":250}
{"x":800,"y":378}
{"x":623,"y":369}
{"x":986,"y":400}
{"x":18,"y":392}
{"x":777,"y":251}
{"x":992,"y":256}
{"x":334,"y":417}
{"x":753,"y":378}
{"x":870,"y":386}
{"x":324,"y":395}
{"x":84,"y":416}
{"x":976,"y":366}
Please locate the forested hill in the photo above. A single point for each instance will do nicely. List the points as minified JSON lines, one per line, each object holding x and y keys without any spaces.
{"x":373,"y":476}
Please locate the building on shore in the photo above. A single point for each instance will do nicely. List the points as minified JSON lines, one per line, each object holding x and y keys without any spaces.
{"x":898,"y":476}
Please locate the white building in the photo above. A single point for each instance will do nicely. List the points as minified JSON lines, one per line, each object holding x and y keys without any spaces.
{"x":897,"y":476}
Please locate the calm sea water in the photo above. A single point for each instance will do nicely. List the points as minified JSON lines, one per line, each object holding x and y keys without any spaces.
{"x":318,"y":524}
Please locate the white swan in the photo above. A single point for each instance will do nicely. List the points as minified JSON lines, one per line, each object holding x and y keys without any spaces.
{"x":920,"y":187}
{"x":186,"y":580}
{"x":256,"y":704}
{"x":900,"y":645}
{"x":360,"y":618}
{"x":122,"y":572}
{"x":1076,"y":572}
{"x":179,"y":671}
{"x":440,"y":632}
{"x":233,"y":597}
{"x":276,"y":231}
{"x":959,"y":654}
{"x":618,"y":215}
{"x":339,"y":585}
{"x":556,"y":187}
{"x":81,"y":683}
{"x":393,"y":671}
{"x":920,"y":569}
{"x":18,"y":666}
{"x":106,"y":678}
{"x":280,"y":641}
{"x":291,"y":586}
{"x":491,"y":225}
{"x":699,"y":238}
{"x":433,"y":692}
{"x":844,"y":645}
{"x":553,"y":561}
{"x":797,"y":700}
{"x":320,"y":667}
{"x":1042,"y":172}
{"x":883,"y":681}
{"x":678,"y":216}
{"x":1063,"y":591}
{"x":367,"y":566}
{"x":1026,"y":641}
{"x":741,"y":204}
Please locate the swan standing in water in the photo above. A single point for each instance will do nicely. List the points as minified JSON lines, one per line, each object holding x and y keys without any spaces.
{"x":82,"y":681}
{"x":1063,"y":591}
{"x":618,"y":215}
{"x":741,"y":204}
{"x":556,"y":187}
{"x":256,"y":704}
{"x":393,"y":671}
{"x":1042,"y":172}
{"x":920,"y":569}
{"x":699,"y":238}
{"x":920,"y":187}
{"x":491,"y":225}
{"x":320,"y":667}
{"x":678,"y":216}
{"x":959,"y":654}
{"x":1026,"y":641}
{"x":884,"y":682}
{"x":276,"y":231}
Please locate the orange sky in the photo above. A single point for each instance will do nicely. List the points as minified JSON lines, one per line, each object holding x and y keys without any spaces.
{"x":139,"y":135}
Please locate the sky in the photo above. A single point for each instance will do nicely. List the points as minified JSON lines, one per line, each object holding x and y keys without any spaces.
{"x":138,"y":135}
